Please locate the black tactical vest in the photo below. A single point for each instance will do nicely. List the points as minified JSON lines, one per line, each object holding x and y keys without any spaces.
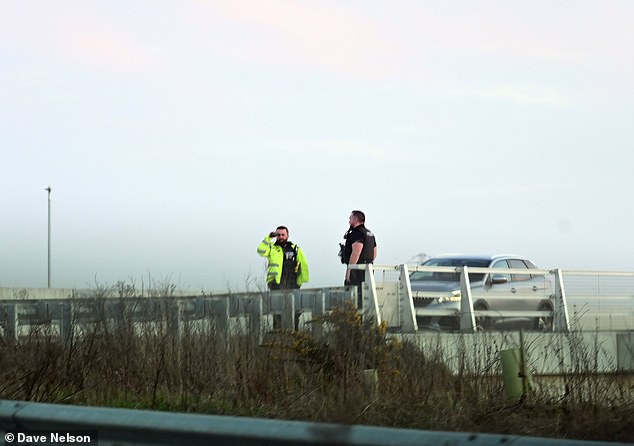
{"x":367,"y":253}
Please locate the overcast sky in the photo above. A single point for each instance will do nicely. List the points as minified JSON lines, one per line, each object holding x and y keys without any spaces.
{"x":175,"y":135}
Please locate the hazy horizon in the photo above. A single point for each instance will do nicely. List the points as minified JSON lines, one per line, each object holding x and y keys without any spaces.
{"x":174,"y":136}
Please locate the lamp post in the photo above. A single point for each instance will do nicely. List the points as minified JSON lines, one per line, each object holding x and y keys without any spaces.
{"x":48,"y":189}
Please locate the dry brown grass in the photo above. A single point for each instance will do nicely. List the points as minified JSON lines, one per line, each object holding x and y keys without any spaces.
{"x":293,"y":375}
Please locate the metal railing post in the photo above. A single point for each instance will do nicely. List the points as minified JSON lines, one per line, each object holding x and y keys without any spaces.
{"x":256,"y":319}
{"x":467,"y":318}
{"x":561,"y":320}
{"x":406,"y":303}
{"x":319,"y":310}
{"x":288,"y":311}
{"x":11,"y":325}
{"x":370,"y":299}
{"x":217,"y":309}
{"x":65,"y":322}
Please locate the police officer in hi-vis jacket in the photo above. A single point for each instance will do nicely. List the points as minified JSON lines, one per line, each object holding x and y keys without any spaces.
{"x":287,"y":267}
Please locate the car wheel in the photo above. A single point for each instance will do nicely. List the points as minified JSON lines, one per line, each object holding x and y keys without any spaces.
{"x":482,"y":323}
{"x":544,"y":323}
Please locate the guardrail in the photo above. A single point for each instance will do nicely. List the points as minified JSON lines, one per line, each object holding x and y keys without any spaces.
{"x":573,"y":300}
{"x":388,"y":297}
{"x":121,"y":427}
{"x":230,"y":313}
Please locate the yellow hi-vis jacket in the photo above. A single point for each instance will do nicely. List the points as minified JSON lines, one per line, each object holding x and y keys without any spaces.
{"x":275,"y":254}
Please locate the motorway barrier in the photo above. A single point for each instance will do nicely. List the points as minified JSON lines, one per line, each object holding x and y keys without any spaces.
{"x":128,"y":427}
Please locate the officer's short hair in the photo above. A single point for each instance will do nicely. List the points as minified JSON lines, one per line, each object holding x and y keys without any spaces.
{"x":359,"y":216}
{"x":282,"y":227}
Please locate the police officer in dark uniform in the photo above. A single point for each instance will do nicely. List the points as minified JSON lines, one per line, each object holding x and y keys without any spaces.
{"x":360,"y":248}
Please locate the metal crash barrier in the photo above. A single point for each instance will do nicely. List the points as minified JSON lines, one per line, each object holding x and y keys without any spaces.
{"x":573,"y":301}
{"x":127,"y":427}
{"x":578,"y":300}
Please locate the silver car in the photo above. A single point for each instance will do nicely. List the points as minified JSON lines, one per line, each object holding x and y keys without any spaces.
{"x":492,"y":291}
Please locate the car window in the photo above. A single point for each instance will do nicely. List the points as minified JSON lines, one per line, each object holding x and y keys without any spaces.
{"x":531,"y":265}
{"x":519,"y":264}
{"x":437,"y":276}
{"x":501,"y":264}
{"x":422,"y":275}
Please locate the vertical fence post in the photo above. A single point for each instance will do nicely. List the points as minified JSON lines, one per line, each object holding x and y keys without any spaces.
{"x":527,"y":383}
{"x":467,"y":318}
{"x":256,"y":315}
{"x":298,"y":308}
{"x":370,"y":298}
{"x":11,"y":323}
{"x":171,"y":312}
{"x":560,"y":318}
{"x":288,"y":311}
{"x":42,"y":313}
{"x":217,"y":309}
{"x":319,"y":310}
{"x":406,"y":302}
{"x":65,"y":322}
{"x":200,"y":307}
